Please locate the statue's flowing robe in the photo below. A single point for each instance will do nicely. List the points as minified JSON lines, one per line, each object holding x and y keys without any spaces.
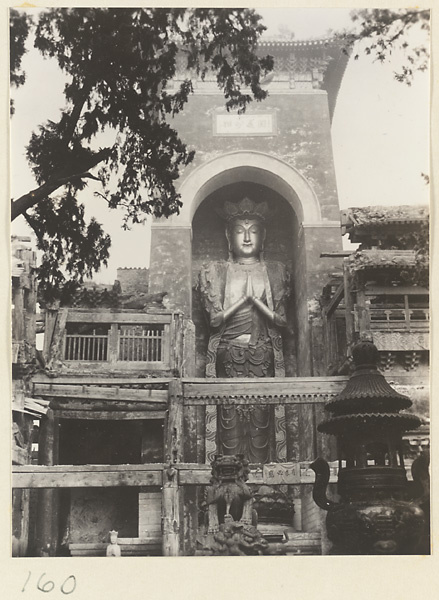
{"x":244,"y":429}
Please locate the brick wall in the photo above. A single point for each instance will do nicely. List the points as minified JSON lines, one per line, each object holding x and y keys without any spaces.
{"x":303,"y":139}
{"x":150,"y":514}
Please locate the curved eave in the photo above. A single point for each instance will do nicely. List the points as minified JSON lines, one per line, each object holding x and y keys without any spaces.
{"x":364,"y":387}
{"x":329,"y":47}
{"x":367,"y":403}
{"x":368,"y":421}
{"x":334,"y":77}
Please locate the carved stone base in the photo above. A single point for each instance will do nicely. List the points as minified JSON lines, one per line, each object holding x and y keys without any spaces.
{"x":388,"y":527}
{"x":236,"y":539}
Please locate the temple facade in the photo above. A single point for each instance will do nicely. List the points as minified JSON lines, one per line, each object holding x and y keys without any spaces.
{"x":131,"y":418}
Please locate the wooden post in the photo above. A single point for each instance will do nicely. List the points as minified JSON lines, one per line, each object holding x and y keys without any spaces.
{"x":21,"y":497}
{"x":362,"y":313}
{"x":49,"y":328}
{"x":46,"y":526}
{"x":349,"y":309}
{"x":17,"y":314}
{"x":113,"y":343}
{"x":188,"y":366}
{"x":173,"y":451}
{"x":56,"y":344}
{"x":174,"y":437}
{"x":189,"y":494}
{"x":170,"y":513}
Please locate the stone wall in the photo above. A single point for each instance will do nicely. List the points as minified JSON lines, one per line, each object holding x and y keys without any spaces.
{"x":132,"y":281}
{"x":170,"y":267}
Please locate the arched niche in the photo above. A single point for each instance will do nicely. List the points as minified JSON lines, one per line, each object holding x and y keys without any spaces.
{"x":209,"y":244}
{"x":175,"y":260}
{"x":255,"y":167}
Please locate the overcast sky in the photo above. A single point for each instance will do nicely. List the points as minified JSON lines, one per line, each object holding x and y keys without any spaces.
{"x":380,"y":132}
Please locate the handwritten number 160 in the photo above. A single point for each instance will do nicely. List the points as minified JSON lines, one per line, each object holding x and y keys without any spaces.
{"x":66,"y":588}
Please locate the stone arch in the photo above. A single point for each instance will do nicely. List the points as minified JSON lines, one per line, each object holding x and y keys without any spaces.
{"x":256,"y":167}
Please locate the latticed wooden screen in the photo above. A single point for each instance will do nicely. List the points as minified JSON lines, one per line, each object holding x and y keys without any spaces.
{"x":141,"y":343}
{"x":87,"y":347}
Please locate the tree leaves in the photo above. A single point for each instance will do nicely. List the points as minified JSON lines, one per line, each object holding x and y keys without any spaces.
{"x":19,"y":24}
{"x":381,"y":31}
{"x":70,"y":246}
{"x":119,"y":64}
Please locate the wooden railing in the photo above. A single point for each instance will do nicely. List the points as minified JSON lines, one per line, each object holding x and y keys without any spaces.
{"x":189,"y":408}
{"x":141,"y":344}
{"x":283,"y":396}
{"x":129,"y":339}
{"x":92,"y":347}
{"x":137,"y":343}
{"x":399,"y":318}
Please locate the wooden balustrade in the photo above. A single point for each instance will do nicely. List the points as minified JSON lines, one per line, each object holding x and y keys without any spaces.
{"x":125,"y":340}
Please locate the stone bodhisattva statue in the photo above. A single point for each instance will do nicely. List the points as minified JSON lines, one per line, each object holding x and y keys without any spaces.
{"x":245,"y":299}
{"x":113,"y":548}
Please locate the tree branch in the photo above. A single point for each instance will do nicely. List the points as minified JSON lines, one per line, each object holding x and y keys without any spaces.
{"x":77,"y":109}
{"x":22,"y":204}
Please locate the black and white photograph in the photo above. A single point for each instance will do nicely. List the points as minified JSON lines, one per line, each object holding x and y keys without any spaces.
{"x":219,"y":245}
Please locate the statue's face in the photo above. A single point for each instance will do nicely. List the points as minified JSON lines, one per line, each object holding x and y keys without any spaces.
{"x":246,"y":237}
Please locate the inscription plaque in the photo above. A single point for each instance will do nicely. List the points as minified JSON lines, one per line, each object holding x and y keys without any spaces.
{"x":245,"y":125}
{"x":281,"y":473}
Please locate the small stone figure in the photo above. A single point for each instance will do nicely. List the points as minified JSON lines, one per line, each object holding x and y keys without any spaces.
{"x":113,"y":548}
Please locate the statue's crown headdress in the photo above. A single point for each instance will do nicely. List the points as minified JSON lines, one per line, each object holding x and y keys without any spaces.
{"x":244,"y":209}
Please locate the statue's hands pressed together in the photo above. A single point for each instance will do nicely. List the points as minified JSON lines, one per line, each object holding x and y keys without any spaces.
{"x":248,"y":296}
{"x":271,"y":315}
{"x":224,"y":315}
{"x":249,"y":293}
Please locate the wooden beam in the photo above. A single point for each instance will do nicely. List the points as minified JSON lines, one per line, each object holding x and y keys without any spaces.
{"x":342,"y":254}
{"x":335,"y":300}
{"x":68,"y":476}
{"x":72,"y":476}
{"x":119,"y":367}
{"x":319,"y":398}
{"x":93,"y":316}
{"x":111,"y":415}
{"x":106,"y":381}
{"x":101,"y":405}
{"x":269,"y":386}
{"x":400,"y":290}
{"x":53,"y":390}
{"x":94,"y":468}
{"x":202,"y":476}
